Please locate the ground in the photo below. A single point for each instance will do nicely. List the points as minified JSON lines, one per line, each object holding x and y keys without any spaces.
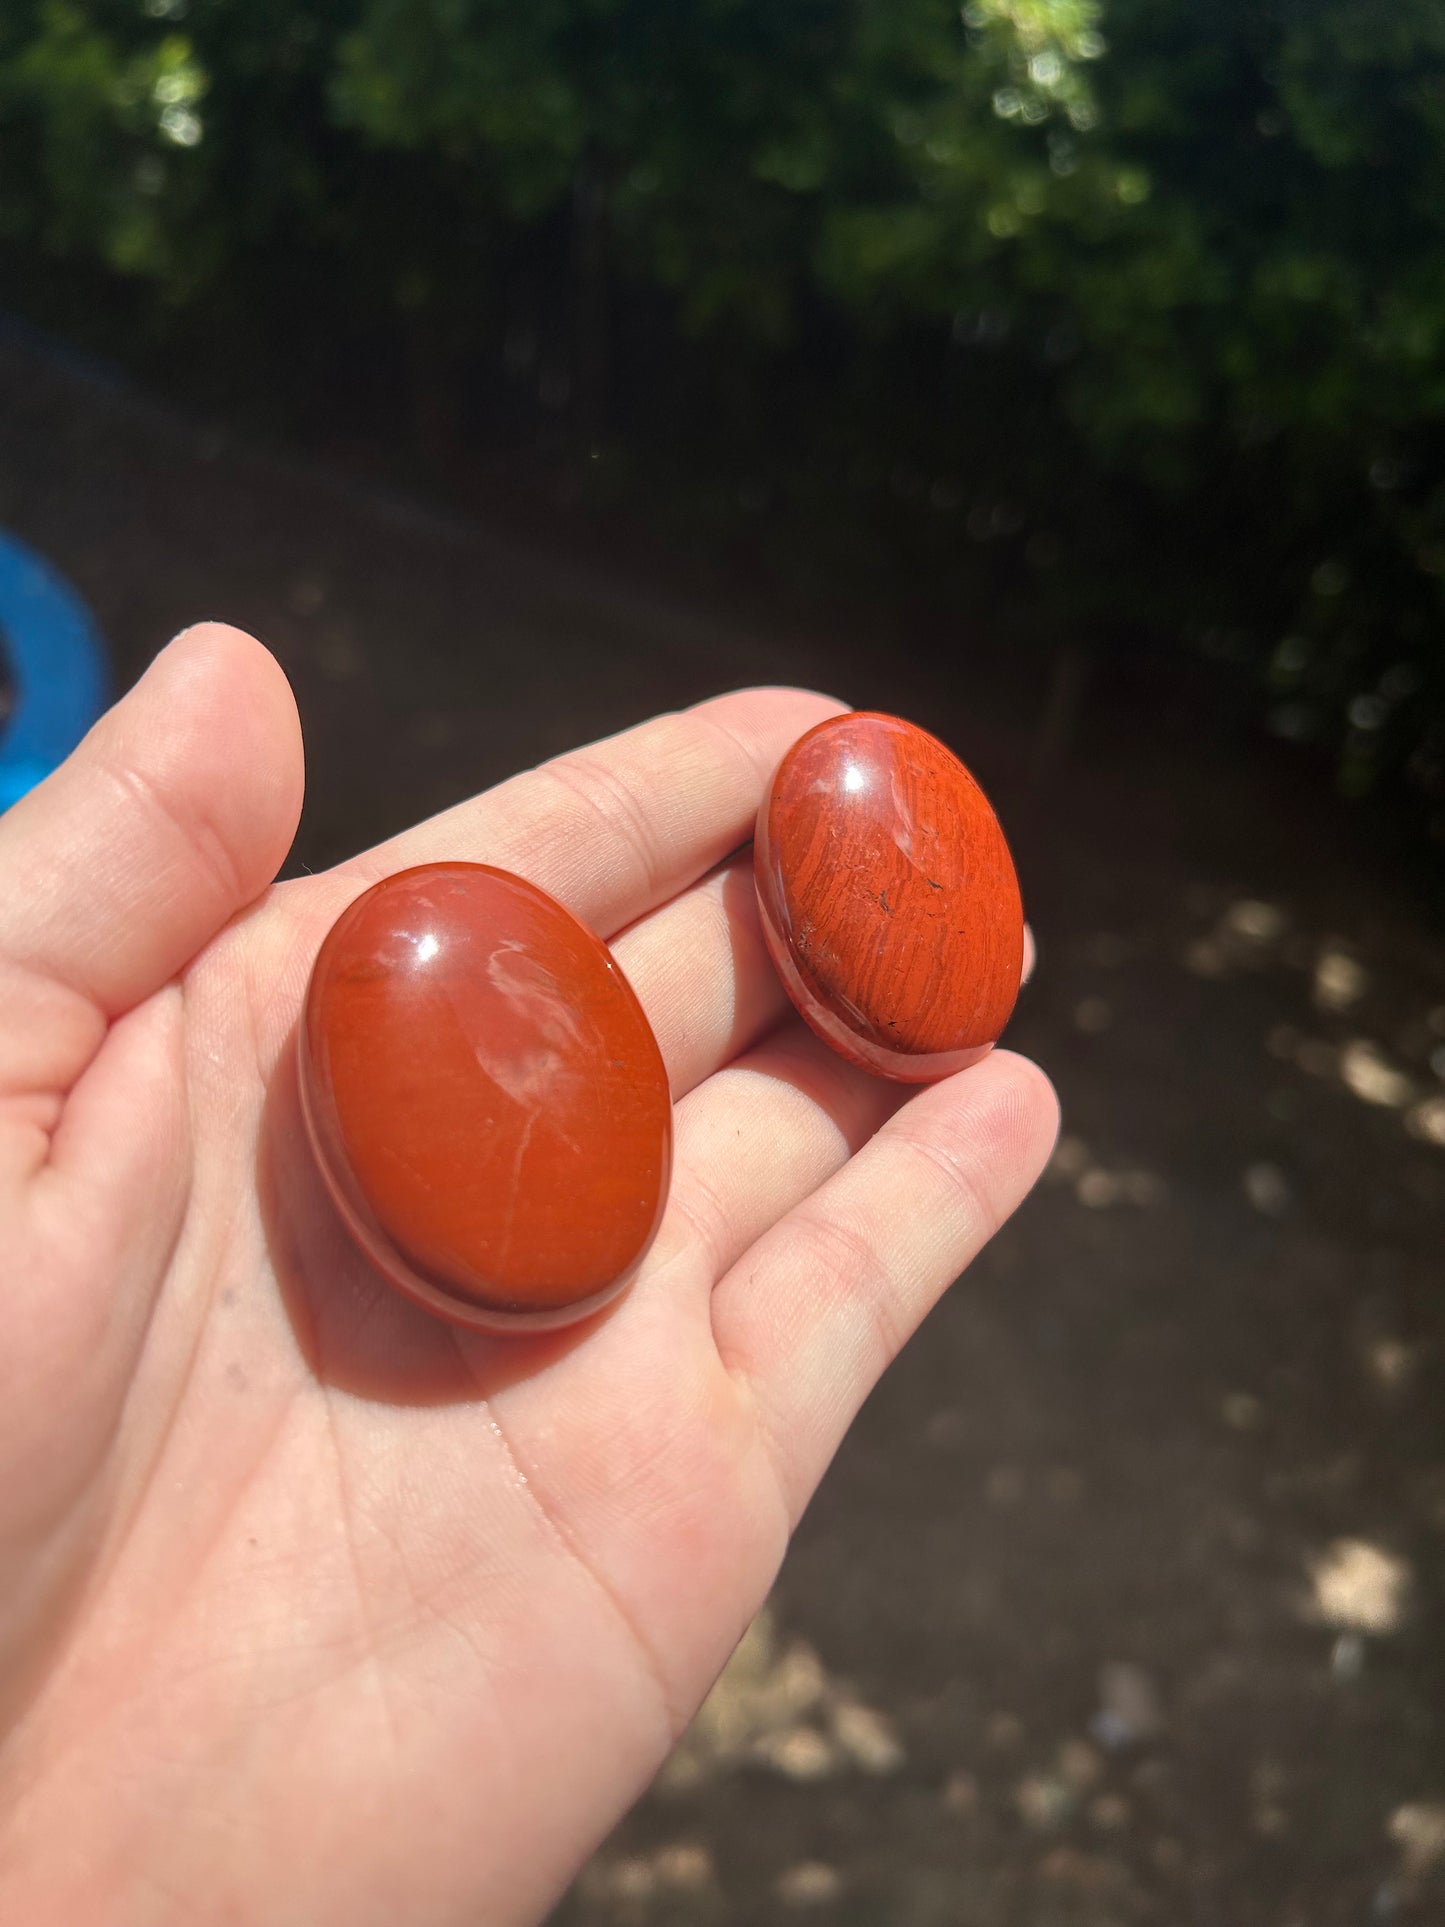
{"x":1121,"y":1607}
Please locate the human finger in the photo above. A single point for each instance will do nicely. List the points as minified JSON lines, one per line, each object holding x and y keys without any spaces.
{"x":175,"y":811}
{"x":702,"y":974}
{"x":808,"y":1318}
{"x":618,"y":827}
{"x":756,"y":1139}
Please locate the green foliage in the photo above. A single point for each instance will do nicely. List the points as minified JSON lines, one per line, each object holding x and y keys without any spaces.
{"x":1143,"y":308}
{"x":90,"y":121}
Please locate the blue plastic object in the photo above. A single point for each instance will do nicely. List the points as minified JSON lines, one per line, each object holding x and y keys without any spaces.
{"x":57,"y":669}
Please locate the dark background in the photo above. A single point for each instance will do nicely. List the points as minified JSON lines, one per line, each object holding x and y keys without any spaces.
{"x":1070,"y":379}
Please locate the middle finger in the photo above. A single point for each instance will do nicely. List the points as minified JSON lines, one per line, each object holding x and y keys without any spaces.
{"x":702,"y":974}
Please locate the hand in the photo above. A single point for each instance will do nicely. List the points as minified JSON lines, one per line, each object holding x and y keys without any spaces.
{"x":316,"y":1609}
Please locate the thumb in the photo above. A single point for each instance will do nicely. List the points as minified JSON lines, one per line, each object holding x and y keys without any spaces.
{"x":174,"y":812}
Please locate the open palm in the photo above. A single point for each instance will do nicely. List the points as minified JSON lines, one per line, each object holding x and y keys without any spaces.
{"x":315,"y":1609}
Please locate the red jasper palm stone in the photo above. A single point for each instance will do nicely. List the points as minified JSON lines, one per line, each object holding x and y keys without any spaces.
{"x":486,"y":1098}
{"x":888,"y":896}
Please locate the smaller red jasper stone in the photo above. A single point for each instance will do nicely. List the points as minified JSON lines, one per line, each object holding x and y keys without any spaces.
{"x":485,"y":1097}
{"x":888,"y":896}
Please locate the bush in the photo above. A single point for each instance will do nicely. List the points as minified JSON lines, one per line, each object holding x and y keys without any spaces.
{"x":1138,"y":311}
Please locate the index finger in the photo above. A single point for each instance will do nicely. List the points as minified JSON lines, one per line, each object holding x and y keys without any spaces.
{"x":617,"y":828}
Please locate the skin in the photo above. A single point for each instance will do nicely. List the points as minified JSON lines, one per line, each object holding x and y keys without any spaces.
{"x":317,"y":1609}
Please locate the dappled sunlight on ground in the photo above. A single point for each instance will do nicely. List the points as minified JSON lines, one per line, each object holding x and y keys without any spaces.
{"x":776,"y":1707}
{"x":1147,"y":1593}
{"x":1359,"y":1587}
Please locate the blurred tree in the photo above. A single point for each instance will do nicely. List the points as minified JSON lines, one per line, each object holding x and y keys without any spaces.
{"x":1138,"y":313}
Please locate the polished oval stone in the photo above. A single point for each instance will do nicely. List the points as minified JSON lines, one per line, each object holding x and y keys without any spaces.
{"x":888,"y":897}
{"x":485,"y":1097}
